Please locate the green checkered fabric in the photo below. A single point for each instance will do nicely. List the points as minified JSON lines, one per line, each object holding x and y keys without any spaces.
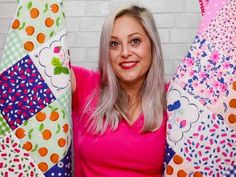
{"x":4,"y":128}
{"x":13,"y":51}
{"x":64,"y":101}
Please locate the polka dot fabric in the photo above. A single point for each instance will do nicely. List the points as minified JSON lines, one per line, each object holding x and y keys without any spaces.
{"x":212,"y":9}
{"x":35,"y":112}
{"x":201,"y":100}
{"x":63,"y":168}
{"x":223,"y":37}
{"x":169,"y":155}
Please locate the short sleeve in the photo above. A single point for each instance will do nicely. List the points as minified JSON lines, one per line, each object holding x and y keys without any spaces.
{"x":86,"y":82}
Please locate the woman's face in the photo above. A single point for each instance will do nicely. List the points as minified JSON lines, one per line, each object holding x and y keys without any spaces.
{"x":130,"y":51}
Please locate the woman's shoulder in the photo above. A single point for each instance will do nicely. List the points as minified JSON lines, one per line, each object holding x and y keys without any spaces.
{"x":82,"y":71}
{"x":84,"y":75}
{"x":84,"y":79}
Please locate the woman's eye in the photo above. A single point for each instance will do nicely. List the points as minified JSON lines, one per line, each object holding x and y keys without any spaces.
{"x":114,"y":44}
{"x":135,"y":41}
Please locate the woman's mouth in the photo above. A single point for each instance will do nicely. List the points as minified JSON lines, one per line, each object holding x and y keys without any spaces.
{"x":128,"y":65}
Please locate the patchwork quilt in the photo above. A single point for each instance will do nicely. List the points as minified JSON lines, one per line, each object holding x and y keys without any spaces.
{"x":201,"y":129}
{"x":35,"y":93}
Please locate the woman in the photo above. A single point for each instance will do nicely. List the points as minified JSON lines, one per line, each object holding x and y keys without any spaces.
{"x":118,"y":111}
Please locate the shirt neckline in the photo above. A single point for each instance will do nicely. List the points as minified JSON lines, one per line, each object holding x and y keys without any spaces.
{"x":137,"y":122}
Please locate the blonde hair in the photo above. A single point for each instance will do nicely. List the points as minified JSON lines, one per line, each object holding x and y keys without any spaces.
{"x":112,"y":100}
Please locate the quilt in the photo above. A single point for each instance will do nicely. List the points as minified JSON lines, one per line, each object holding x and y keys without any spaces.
{"x":35,"y":93}
{"x":201,"y":100}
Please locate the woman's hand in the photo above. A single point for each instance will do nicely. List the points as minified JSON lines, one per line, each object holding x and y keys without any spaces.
{"x":73,"y":81}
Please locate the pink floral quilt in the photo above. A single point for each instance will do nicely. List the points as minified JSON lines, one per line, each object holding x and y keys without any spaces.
{"x":201,"y":129}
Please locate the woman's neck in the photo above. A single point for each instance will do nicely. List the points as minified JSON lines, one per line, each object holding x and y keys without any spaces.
{"x":134,"y":106}
{"x":133,"y":90}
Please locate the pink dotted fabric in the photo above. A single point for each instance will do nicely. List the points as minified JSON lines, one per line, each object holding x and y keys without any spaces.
{"x":222,"y":29}
{"x":212,"y":9}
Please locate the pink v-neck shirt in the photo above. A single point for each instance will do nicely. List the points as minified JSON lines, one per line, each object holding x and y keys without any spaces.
{"x":124,"y":152}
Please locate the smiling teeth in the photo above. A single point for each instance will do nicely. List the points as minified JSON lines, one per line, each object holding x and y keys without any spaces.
{"x":128,"y":64}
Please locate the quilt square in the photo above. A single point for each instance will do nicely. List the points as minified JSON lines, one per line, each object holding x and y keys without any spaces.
{"x":40,"y":20}
{"x":53,"y":62}
{"x":14,"y":160}
{"x":205,"y":72}
{"x":179,"y":106}
{"x":47,"y":135}
{"x":203,"y":139}
{"x":12,"y":51}
{"x":212,"y":148}
{"x":4,"y":128}
{"x":221,"y":33}
{"x":23,"y":92}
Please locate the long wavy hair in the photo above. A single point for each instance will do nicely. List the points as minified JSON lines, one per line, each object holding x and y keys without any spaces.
{"x":113,"y":102}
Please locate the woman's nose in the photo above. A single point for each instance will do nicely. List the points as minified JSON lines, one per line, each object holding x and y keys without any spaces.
{"x":126,"y":51}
